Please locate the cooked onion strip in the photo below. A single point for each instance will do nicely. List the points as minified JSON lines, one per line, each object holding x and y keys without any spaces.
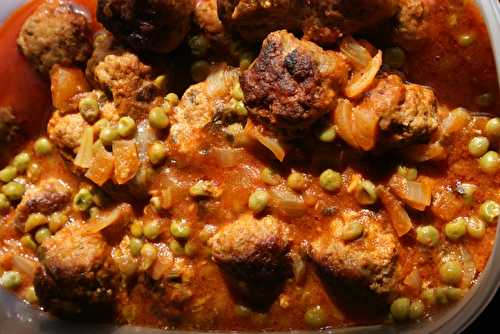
{"x":84,"y":157}
{"x":425,"y":152}
{"x":272,"y":144}
{"x":365,"y":127}
{"x":126,"y":160}
{"x":101,"y":169}
{"x":360,"y":83}
{"x":399,"y":217}
{"x":415,"y":194}
{"x":356,"y":53}
{"x":343,"y":120}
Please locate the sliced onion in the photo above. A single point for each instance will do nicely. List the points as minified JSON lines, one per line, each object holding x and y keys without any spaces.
{"x":343,"y":121}
{"x":418,"y":195}
{"x":399,"y":217}
{"x":84,"y":157}
{"x":356,"y":53}
{"x":126,"y":160}
{"x":365,"y":127}
{"x":119,"y":216}
{"x":24,"y":265}
{"x":414,"y":281}
{"x":228,"y":157}
{"x":272,"y":144}
{"x":103,"y":163}
{"x":362,"y":81}
{"x":425,"y":152}
{"x":456,"y":120}
{"x":287,"y":202}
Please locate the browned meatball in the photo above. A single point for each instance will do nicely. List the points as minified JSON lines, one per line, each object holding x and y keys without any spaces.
{"x":55,"y":34}
{"x":253,"y":250}
{"x":147,"y":25}
{"x":50,"y":196}
{"x":9,"y":127}
{"x":368,"y":261}
{"x":292,"y":82}
{"x":321,"y":21}
{"x":76,"y":279}
{"x":412,"y":23}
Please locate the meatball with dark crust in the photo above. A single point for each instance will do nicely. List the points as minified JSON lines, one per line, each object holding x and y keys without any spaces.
{"x":293,"y":83}
{"x":56,"y":33}
{"x":368,"y":261}
{"x":253,"y":250}
{"x":50,"y":196}
{"x":147,"y":25}
{"x":76,"y":277}
{"x":412,"y":23}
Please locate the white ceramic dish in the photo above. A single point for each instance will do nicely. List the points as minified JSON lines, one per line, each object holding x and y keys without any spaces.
{"x":16,"y":317}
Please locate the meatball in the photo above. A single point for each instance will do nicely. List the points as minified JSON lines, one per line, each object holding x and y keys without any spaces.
{"x":9,"y":128}
{"x":368,"y":261}
{"x":66,"y":131}
{"x":50,"y":196}
{"x":56,"y":33}
{"x":129,"y":81}
{"x":254,"y":20}
{"x":197,"y":109}
{"x":147,"y":25}
{"x":293,"y":83}
{"x":76,"y":278}
{"x":412,"y":23}
{"x":320,"y":21}
{"x":253,"y":250}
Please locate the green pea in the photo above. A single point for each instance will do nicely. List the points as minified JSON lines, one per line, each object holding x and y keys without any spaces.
{"x":456,"y":229}
{"x":35,"y":220}
{"x":148,"y":254}
{"x":204,"y":188}
{"x":11,"y":280}
{"x":180,"y":229}
{"x":476,"y":228}
{"x":158,"y":118}
{"x":126,"y":127}
{"x":200,"y":70}
{"x":330,"y":180}
{"x":4,"y":202}
{"x":21,"y":161}
{"x":42,"y":234}
{"x":240,"y":109}
{"x":441,"y":295}
{"x":400,"y":309}
{"x":34,"y":172}
{"x":365,"y":193}
{"x":428,"y":235}
{"x":14,"y":190}
{"x":237,"y":92}
{"x":489,"y":211}
{"x":466,"y":39}
{"x":270,"y":177}
{"x":478,"y":146}
{"x":190,"y":248}
{"x":297,"y":181}
{"x":152,"y":229}
{"x":408,"y":173}
{"x":8,"y":174}
{"x":30,"y":295}
{"x":454,"y":294}
{"x":155,"y":202}
{"x":28,"y":242}
{"x":83,"y":200}
{"x":136,"y":228}
{"x":485,"y":100}
{"x":328,"y":134}
{"x":467,"y":191}
{"x":89,"y":109}
{"x":451,"y":272}
{"x":108,"y":135}
{"x":172,"y":99}
{"x":199,"y":45}
{"x":176,"y":247}
{"x":157,"y":153}
{"x":352,"y":231}
{"x":42,"y":146}
{"x":429,"y":296}
{"x":160,"y":82}
{"x":56,"y":221}
{"x":416,"y":309}
{"x":490,"y":162}
{"x":492,"y":128}
{"x":135,"y":246}
{"x":315,"y":317}
{"x":394,"y":57}
{"x":258,"y":200}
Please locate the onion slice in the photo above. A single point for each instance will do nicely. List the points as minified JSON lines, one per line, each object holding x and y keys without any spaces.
{"x":101,"y":169}
{"x":272,"y":144}
{"x":360,"y":82}
{"x":418,"y":195}
{"x":126,"y":160}
{"x":425,"y":152}
{"x":365,"y":127}
{"x":399,"y":217}
{"x":356,"y":53}
{"x":342,"y":118}
{"x":84,"y":157}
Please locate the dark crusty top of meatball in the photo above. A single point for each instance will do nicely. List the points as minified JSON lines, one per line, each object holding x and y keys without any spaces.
{"x":56,"y":33}
{"x":75,"y":278}
{"x":369,"y":260}
{"x":147,"y":25}
{"x":292,"y":82}
{"x":253,"y":250}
